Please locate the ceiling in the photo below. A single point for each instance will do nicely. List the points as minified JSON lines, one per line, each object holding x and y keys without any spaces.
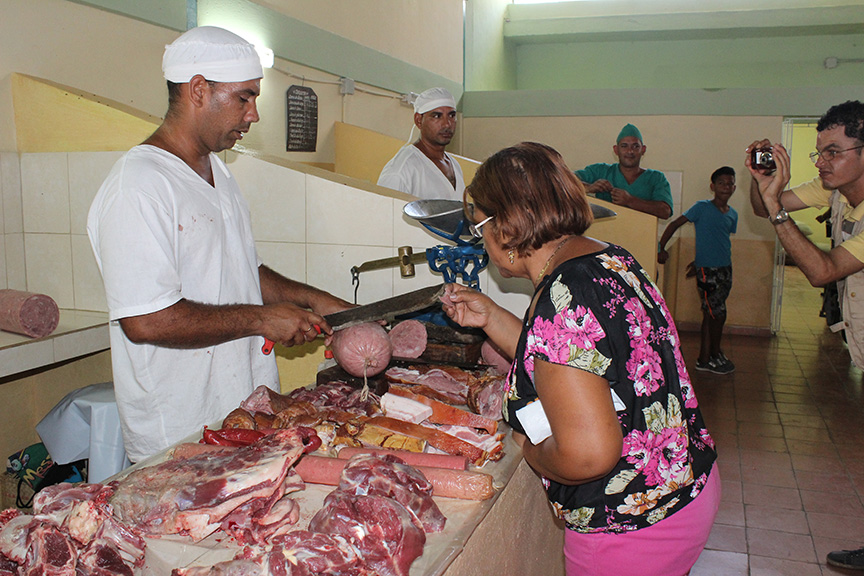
{"x":609,"y":20}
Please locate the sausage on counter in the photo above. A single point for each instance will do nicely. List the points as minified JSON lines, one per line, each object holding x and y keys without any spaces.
{"x":33,"y":315}
{"x":449,"y":483}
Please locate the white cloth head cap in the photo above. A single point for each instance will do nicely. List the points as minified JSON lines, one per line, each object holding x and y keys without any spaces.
{"x":433,"y":98}
{"x":214,"y":53}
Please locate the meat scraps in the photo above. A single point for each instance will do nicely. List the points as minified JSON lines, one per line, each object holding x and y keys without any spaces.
{"x":362,"y":529}
{"x":72,"y":532}
{"x":194,"y":495}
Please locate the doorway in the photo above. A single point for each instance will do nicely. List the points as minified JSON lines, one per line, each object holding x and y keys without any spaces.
{"x":799,"y":138}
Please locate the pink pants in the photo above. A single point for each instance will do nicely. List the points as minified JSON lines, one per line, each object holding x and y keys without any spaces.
{"x":668,"y":548}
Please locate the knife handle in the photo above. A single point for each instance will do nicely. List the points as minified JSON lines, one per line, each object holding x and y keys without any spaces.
{"x":268,"y":346}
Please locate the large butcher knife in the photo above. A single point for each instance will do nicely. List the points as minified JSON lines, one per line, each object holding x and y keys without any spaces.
{"x":386,"y":309}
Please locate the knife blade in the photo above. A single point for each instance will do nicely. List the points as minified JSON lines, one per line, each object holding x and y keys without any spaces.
{"x":386,"y":309}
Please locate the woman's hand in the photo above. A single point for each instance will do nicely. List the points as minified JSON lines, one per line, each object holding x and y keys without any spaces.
{"x":466,"y":306}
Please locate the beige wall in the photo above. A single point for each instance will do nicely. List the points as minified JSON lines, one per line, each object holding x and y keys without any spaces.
{"x":92,"y":50}
{"x":693,"y":145}
{"x":119,"y":58}
{"x":422,"y":33}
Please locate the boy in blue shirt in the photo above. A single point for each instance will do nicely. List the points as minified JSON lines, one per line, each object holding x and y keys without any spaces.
{"x":715,"y":220}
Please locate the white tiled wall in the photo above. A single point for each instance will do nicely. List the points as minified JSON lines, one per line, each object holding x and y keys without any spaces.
{"x":306,"y":227}
{"x":11,"y":225}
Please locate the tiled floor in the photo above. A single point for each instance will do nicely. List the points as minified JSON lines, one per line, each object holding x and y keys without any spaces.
{"x":789,"y":427}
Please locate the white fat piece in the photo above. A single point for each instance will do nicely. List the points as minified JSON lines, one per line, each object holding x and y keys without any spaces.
{"x":404,"y":408}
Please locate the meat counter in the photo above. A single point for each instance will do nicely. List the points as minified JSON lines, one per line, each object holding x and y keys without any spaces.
{"x":514,"y":532}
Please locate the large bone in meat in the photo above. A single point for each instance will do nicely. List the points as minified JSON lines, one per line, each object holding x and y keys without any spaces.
{"x":194,"y":495}
{"x":435,"y":438}
{"x":445,"y":413}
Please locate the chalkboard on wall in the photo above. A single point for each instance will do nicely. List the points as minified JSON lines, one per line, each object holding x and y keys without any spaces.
{"x":302,"y":119}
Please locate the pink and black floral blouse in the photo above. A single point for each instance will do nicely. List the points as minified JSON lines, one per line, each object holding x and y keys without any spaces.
{"x":602,"y":314}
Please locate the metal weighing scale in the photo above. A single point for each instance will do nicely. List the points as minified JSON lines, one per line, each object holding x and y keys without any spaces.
{"x":446,"y":219}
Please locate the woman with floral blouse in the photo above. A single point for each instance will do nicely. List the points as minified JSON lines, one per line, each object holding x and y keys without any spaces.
{"x":598,"y":395}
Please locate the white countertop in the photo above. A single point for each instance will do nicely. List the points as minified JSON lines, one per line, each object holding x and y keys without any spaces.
{"x":78,"y":333}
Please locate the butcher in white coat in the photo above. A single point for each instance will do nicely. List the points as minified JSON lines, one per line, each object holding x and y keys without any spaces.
{"x":189,"y":300}
{"x":424,"y":169}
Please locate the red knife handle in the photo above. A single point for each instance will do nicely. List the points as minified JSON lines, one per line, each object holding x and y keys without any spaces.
{"x":268,"y":346}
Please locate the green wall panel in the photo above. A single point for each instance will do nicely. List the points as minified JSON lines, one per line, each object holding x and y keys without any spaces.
{"x":807,"y":101}
{"x":168,"y":13}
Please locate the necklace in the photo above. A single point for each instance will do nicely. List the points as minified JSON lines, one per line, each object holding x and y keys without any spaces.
{"x":549,"y":261}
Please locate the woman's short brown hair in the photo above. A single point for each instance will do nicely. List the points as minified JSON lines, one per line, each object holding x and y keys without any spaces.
{"x":533,"y":195}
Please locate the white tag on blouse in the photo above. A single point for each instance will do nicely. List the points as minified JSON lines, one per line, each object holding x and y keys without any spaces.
{"x":534,"y":422}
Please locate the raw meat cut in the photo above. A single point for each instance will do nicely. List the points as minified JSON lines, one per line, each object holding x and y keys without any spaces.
{"x":194,"y":495}
{"x":13,"y":534}
{"x":50,"y":552}
{"x":409,"y":339}
{"x":337,"y":395}
{"x":380,"y":528}
{"x":388,"y":476}
{"x":297,"y":553}
{"x":83,"y":512}
{"x":259,"y":520}
{"x":446,"y":482}
{"x":33,"y":315}
{"x":363,"y":350}
{"x":264,"y":399}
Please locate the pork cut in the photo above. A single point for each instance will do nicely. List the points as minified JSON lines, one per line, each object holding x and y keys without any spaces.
{"x":194,"y":495}
{"x":435,"y":383}
{"x":388,"y":476}
{"x":380,"y":528}
{"x":50,"y":552}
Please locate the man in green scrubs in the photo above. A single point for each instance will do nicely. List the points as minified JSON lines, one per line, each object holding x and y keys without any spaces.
{"x":626,"y":183}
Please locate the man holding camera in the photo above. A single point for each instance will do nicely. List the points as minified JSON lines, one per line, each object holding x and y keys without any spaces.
{"x":839,"y":156}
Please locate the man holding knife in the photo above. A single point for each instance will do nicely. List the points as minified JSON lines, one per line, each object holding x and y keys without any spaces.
{"x":188,"y":297}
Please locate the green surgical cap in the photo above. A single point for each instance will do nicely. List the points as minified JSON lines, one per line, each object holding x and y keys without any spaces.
{"x":629,"y":130}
